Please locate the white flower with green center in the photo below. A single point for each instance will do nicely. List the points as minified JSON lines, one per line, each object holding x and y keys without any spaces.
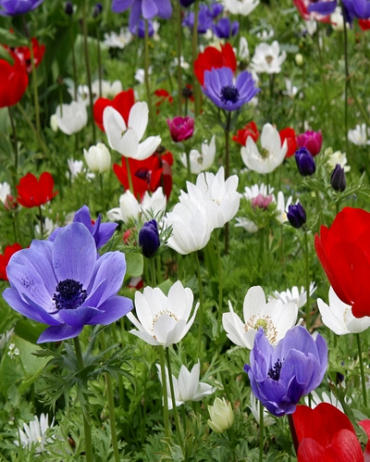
{"x":34,"y":434}
{"x":275,"y":317}
{"x":163,"y":320}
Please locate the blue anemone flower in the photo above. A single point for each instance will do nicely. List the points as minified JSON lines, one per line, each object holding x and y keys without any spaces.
{"x":224,"y":28}
{"x":226,"y":94}
{"x":15,"y":7}
{"x":145,"y":8}
{"x":66,"y":285}
{"x":352,"y":8}
{"x":280,"y":377}
{"x":204,"y":19}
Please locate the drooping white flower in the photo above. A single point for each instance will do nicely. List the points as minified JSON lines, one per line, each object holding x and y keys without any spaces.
{"x":267,"y":58}
{"x":126,"y":139}
{"x":187,"y":387}
{"x":4,"y":191}
{"x":282,"y":207}
{"x":291,"y":90}
{"x":114,"y":40}
{"x":163,"y":320}
{"x":200,"y":162}
{"x":311,"y":26}
{"x":98,"y":158}
{"x":275,"y":317}
{"x":242,"y":7}
{"x":358,"y":135}
{"x":76,"y":167}
{"x":34,"y":434}
{"x":339,"y":318}
{"x":71,"y":118}
{"x":294,"y":295}
{"x":255,"y":407}
{"x":270,"y":156}
{"x":243,"y":52}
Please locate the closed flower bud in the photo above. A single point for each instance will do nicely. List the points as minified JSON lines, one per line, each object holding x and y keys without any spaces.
{"x":181,"y":128}
{"x":68,"y":8}
{"x":98,"y":158}
{"x":305,"y":162}
{"x":221,"y":415}
{"x":338,"y":178}
{"x":296,"y":215}
{"x":149,"y":238}
{"x":98,"y":8}
{"x":54,"y":123}
{"x":299,"y":59}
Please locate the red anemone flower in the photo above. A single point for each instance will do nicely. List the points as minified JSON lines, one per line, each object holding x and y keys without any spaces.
{"x":343,"y":250}
{"x":212,"y":58}
{"x":122,"y":103}
{"x":364,"y":24}
{"x":24,"y":53}
{"x":148,"y":174}
{"x":289,"y":135}
{"x":248,"y":130}
{"x":5,"y":257}
{"x":13,"y":81}
{"x":326,"y":434}
{"x":162,"y":97}
{"x":33,"y":192}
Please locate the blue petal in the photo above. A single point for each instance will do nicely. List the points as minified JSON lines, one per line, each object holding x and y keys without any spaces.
{"x":112,"y":310}
{"x":118,"y":6}
{"x":83,"y":216}
{"x":79,"y":316}
{"x":57,"y":334}
{"x":164,"y":8}
{"x":324,"y":8}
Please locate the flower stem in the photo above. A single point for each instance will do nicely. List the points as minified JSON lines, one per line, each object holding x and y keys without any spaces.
{"x":179,"y":71}
{"x":293,"y":432}
{"x":188,"y":166}
{"x":15,"y":145}
{"x":227,"y":171}
{"x":201,"y":314}
{"x":220,"y":286}
{"x":260,"y":459}
{"x":363,"y":381}
{"x":35,"y":91}
{"x":174,"y":407}
{"x":74,"y":67}
{"x":146,"y":68}
{"x":130,"y":184}
{"x":165,"y":398}
{"x":307,"y":282}
{"x":87,"y":427}
{"x":196,"y":88}
{"x":37,"y":134}
{"x":347,"y":74}
{"x":99,"y":60}
{"x":41,"y":223}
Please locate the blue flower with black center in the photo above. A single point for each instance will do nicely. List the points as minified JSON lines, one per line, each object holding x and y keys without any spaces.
{"x":65,"y":284}
{"x":224,"y":92}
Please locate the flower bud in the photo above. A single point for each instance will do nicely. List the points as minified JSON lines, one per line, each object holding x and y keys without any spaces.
{"x":186,"y":3}
{"x":296,"y":215}
{"x":221,"y":414}
{"x":181,"y":128}
{"x":310,"y":140}
{"x":149,"y":238}
{"x":299,"y":59}
{"x":305,"y":162}
{"x":98,"y":158}
{"x":98,"y":8}
{"x":54,"y":123}
{"x":338,"y":178}
{"x":68,"y":8}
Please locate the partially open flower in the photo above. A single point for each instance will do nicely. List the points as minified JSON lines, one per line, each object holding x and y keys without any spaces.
{"x":221,"y":415}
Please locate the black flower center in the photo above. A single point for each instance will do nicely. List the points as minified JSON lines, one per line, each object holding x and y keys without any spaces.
{"x":143,"y":174}
{"x":274,"y":372}
{"x":229,"y":93}
{"x":69,"y":295}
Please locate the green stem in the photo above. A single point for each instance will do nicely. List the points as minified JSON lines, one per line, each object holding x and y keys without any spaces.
{"x":293,"y":432}
{"x":87,"y":427}
{"x":359,"y":105}
{"x":130,"y":184}
{"x":227,"y":170}
{"x":15,"y":145}
{"x":165,"y":395}
{"x":347,"y":75}
{"x":307,"y":282}
{"x":174,"y":407}
{"x":37,"y":134}
{"x":196,"y":88}
{"x":41,"y":223}
{"x":146,"y":68}
{"x":35,"y":91}
{"x":363,"y":380}
{"x":74,"y":67}
{"x":88,"y":70}
{"x":261,"y":433}
{"x":200,"y":312}
{"x":179,"y":70}
{"x":220,"y":287}
{"x":99,"y":60}
{"x":112,"y":418}
{"x":188,"y":166}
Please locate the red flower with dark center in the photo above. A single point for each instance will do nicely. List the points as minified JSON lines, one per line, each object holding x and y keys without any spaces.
{"x":364,"y":24}
{"x":147,"y":175}
{"x":5,"y":257}
{"x":326,"y":434}
{"x":13,"y":81}
{"x":162,"y":97}
{"x":33,"y":192}
{"x":249,"y":130}
{"x":212,"y":58}
{"x":122,"y":103}
{"x":289,"y":135}
{"x":344,"y":253}
{"x":24,"y":53}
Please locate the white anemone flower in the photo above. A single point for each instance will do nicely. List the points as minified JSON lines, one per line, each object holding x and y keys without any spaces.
{"x":335,"y":158}
{"x":34,"y":433}
{"x":339,"y":318}
{"x":98,"y":158}
{"x":358,"y":135}
{"x":200,"y":161}
{"x":126,"y":139}
{"x":267,"y":58}
{"x":114,"y":40}
{"x":71,"y":118}
{"x":187,"y":387}
{"x":282,"y":207}
{"x":325,"y":398}
{"x":291,"y":90}
{"x":82,"y":93}
{"x":214,"y":193}
{"x":298,"y":296}
{"x":272,"y":152}
{"x":4,"y":191}
{"x":108,"y":90}
{"x":275,"y":317}
{"x":243,"y":51}
{"x":163,"y":320}
{"x":242,"y":7}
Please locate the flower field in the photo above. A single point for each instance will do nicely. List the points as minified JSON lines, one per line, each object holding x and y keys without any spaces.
{"x":184,"y":232}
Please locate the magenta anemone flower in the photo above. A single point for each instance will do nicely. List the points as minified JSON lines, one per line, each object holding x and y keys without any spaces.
{"x":66,"y":285}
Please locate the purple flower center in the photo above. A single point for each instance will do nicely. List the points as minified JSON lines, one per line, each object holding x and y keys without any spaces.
{"x":274,"y":372}
{"x":69,"y":295}
{"x":229,"y":93}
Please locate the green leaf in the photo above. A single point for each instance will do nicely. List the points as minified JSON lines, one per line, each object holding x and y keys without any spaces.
{"x":135,"y":264}
{"x":11,"y":39}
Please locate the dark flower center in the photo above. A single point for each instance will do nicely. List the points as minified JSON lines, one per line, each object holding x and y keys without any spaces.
{"x":274,"y":372}
{"x":143,"y":174}
{"x":229,"y":93}
{"x":69,"y":295}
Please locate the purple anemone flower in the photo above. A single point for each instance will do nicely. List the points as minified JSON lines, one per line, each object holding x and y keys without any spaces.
{"x":101,"y":232}
{"x":139,"y":29}
{"x":224,"y":28}
{"x":281,"y":376}
{"x":14,"y":7}
{"x":216,"y":9}
{"x":353,"y":8}
{"x":226,"y":94}
{"x":66,"y":285}
{"x":145,"y":8}
{"x":204,"y":19}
